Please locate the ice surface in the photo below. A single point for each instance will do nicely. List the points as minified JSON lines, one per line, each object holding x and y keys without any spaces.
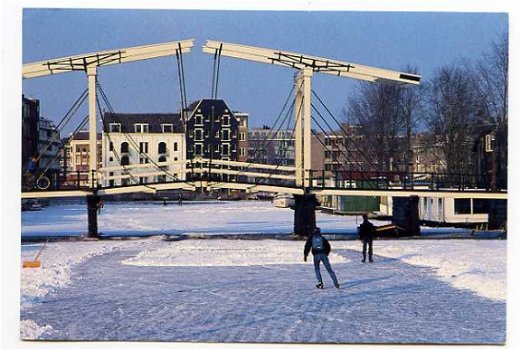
{"x":217,"y":289}
{"x":152,"y":218}
{"x":208,"y":297}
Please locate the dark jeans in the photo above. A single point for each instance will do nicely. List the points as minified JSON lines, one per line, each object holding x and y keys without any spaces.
{"x":323,"y":257}
{"x":364,"y":250}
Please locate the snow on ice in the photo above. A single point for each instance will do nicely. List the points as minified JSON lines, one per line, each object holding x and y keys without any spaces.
{"x":194,"y":276}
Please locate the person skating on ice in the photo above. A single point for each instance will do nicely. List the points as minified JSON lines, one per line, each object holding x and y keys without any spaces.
{"x":320,"y":248}
{"x":366,"y":231}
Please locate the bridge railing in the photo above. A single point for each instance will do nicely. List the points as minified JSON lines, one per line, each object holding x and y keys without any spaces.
{"x":60,"y":180}
{"x":395,"y":179}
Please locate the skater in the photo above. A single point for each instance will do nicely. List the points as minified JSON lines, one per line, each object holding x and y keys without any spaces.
{"x":180,"y":201}
{"x":99,"y":205}
{"x":320,"y":248}
{"x":31,"y":172}
{"x":366,"y":231}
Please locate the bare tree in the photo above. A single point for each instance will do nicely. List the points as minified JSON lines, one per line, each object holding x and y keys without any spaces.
{"x":376,"y":108}
{"x":492,"y":86}
{"x":410,"y":107}
{"x":387,"y":115}
{"x":452,"y":115}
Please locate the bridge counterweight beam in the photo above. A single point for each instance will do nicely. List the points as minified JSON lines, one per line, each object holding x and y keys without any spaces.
{"x":93,"y":151}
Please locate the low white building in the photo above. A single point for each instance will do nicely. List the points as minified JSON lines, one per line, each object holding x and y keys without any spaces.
{"x":447,"y":210}
{"x":140,"y":148}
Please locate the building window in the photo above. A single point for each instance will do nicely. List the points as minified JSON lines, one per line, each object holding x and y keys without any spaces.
{"x":161,"y":147}
{"x":242,"y":136}
{"x":114,"y":127}
{"x":143,"y":160}
{"x":198,"y":135}
{"x":191,"y":134}
{"x":143,"y":147}
{"x":226,"y":135}
{"x":217,"y":134}
{"x":242,"y":151}
{"x":111,"y":159}
{"x":142,"y":180}
{"x":111,"y":146}
{"x":124,"y":147}
{"x":226,"y":150}
{"x":488,"y":143}
{"x":162,"y":159}
{"x":141,"y":128}
{"x":175,"y":146}
{"x":175,"y":159}
{"x":226,"y":120}
{"x":125,"y":160}
{"x":198,"y":149}
{"x":480,"y":206}
{"x":198,"y":120}
{"x":167,"y":127}
{"x":462,"y":206}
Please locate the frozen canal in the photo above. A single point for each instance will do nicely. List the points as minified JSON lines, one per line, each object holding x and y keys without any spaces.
{"x":153,"y":218}
{"x":228,"y":290}
{"x":252,"y":290}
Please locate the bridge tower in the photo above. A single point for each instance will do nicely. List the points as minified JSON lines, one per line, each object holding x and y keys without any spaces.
{"x":89,"y":64}
{"x":306,"y":65}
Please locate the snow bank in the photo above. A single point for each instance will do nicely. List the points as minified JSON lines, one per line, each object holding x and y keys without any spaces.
{"x":215,"y":252}
{"x":31,"y":330}
{"x":57,"y":262}
{"x":476,"y":265}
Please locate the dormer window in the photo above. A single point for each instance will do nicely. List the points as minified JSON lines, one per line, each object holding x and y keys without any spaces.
{"x":226,"y":120}
{"x":115,"y":127}
{"x":167,"y":128}
{"x":141,"y":128}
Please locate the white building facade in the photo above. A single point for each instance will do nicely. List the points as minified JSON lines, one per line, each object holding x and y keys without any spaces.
{"x":143,"y":148}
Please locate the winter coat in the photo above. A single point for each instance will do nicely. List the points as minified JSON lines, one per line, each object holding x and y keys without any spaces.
{"x":32,"y":167}
{"x":366,"y":231}
{"x":309,"y":246}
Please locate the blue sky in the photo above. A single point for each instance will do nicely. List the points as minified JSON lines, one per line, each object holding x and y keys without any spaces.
{"x":389,"y":40}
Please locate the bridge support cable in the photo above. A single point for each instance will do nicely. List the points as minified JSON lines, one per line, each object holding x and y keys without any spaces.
{"x":132,"y":142}
{"x":215,"y":73}
{"x":343,"y":168}
{"x":135,"y":146}
{"x":325,"y":147}
{"x":182,"y":84}
{"x":278,"y":160}
{"x":116,"y":154}
{"x":43,"y":174}
{"x":63,"y":122}
{"x":347,"y":153}
{"x":263,"y":143}
{"x":344,"y":132}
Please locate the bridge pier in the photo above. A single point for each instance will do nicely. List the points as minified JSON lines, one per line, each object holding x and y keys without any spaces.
{"x":92,"y":215}
{"x":406,"y":215}
{"x":304,"y":219}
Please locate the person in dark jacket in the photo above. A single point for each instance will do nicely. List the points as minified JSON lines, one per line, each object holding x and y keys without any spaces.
{"x":320,"y":248}
{"x":367,"y":231}
{"x":31,"y":171}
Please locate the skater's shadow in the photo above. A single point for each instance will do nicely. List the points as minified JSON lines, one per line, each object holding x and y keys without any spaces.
{"x":365,"y":281}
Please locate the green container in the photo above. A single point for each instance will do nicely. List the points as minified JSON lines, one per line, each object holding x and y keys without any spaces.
{"x":357,"y":204}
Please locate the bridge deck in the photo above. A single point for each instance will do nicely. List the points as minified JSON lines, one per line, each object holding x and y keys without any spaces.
{"x":251,"y":188}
